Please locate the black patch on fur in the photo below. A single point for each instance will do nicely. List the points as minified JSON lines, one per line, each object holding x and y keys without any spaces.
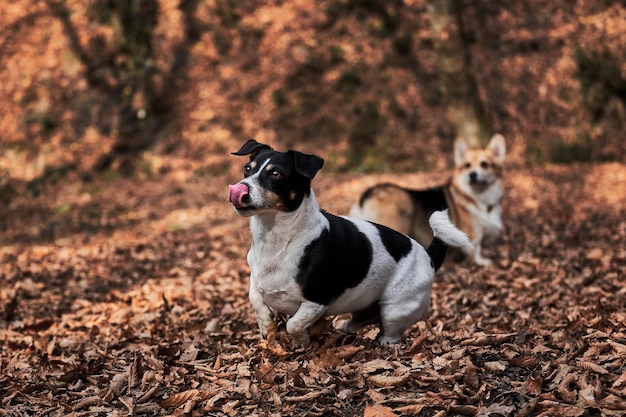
{"x":397,"y":244}
{"x":337,"y":260}
{"x":437,"y":252}
{"x":433,"y":199}
{"x":368,"y":193}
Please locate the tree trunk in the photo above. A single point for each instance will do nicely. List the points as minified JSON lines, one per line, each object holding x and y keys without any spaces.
{"x":457,"y":82}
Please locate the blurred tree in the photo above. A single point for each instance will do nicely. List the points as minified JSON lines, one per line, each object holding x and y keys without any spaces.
{"x":124,"y":71}
{"x":7,"y":190}
{"x":457,"y":81}
{"x":368,"y":123}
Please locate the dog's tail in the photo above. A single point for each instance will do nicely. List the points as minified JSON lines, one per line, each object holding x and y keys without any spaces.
{"x":445,"y":234}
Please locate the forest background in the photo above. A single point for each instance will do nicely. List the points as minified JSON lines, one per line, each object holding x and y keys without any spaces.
{"x":366,"y":83}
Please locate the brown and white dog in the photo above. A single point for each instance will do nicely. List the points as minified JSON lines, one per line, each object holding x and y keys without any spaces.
{"x":473,"y":195}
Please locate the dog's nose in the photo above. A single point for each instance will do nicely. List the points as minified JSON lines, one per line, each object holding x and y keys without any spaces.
{"x":237,"y":193}
{"x":473,"y":176}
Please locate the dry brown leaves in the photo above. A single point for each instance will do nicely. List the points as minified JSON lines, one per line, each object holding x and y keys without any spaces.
{"x":150,"y":320}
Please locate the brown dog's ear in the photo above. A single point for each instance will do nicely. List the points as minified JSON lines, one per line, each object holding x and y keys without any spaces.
{"x":497,"y":144}
{"x":251,"y":147}
{"x":306,"y":165}
{"x":460,"y":147}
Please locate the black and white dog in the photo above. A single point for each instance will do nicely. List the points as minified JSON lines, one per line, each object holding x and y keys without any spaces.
{"x":308,"y":263}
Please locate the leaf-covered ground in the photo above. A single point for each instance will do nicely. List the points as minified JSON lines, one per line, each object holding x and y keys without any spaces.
{"x":129,"y":297}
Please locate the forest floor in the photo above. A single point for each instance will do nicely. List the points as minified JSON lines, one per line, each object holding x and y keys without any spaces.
{"x":129,"y":297}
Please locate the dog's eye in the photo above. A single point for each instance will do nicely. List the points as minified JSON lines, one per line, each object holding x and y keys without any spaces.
{"x":275,"y":174}
{"x":246,"y":170}
{"x":484,"y":164}
{"x":467,"y":165}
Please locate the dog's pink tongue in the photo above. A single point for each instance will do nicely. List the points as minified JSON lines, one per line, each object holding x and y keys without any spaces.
{"x":236,"y":194}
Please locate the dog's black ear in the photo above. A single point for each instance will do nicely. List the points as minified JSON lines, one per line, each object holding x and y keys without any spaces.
{"x":306,"y":165}
{"x":251,"y":147}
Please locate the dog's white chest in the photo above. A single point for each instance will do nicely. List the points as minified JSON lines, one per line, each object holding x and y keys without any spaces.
{"x":273,"y":276}
{"x":275,"y":255}
{"x":488,"y":212}
{"x":493,"y":222}
{"x":488,"y":218}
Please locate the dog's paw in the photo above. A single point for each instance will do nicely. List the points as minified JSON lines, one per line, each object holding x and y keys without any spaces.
{"x":389,"y":340}
{"x":265,"y":328}
{"x":300,"y":336}
{"x":480,"y":260}
{"x":348,"y":325}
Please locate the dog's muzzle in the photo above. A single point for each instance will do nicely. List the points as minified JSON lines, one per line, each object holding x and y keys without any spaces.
{"x":476,"y":180}
{"x":237,"y":195}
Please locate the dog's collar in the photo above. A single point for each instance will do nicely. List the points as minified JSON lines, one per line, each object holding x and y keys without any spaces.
{"x":492,"y":206}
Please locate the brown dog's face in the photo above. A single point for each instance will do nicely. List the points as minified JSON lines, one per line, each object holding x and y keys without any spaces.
{"x":479,"y":167}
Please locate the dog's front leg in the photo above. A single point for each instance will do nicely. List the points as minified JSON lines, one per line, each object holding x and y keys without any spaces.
{"x":478,"y":257}
{"x":298,"y":325}
{"x":264,"y":316}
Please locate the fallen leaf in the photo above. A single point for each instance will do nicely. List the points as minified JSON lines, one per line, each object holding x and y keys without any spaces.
{"x":378,"y":410}
{"x":595,"y":254}
{"x":488,"y":339}
{"x":590,"y":366}
{"x":493,"y":366}
{"x":495,"y":410}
